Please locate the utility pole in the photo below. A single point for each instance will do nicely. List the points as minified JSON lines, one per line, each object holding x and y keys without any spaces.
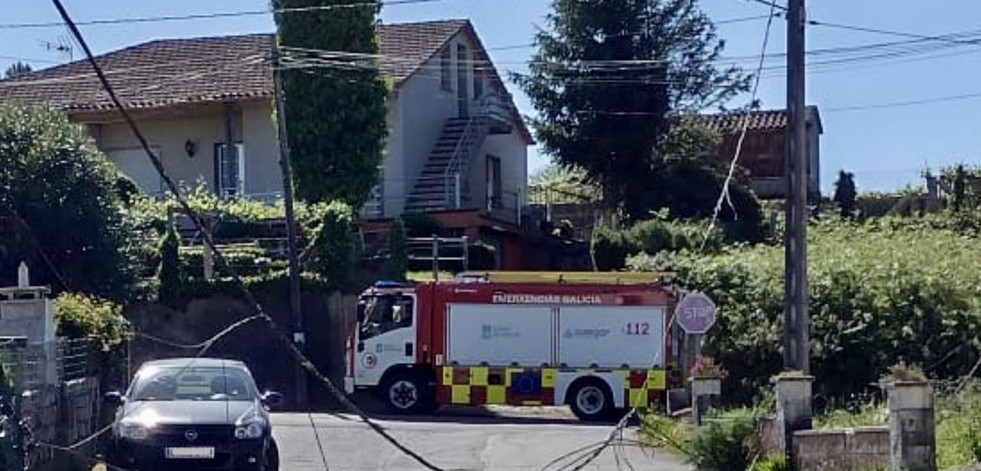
{"x":299,"y":336}
{"x":796,"y":319}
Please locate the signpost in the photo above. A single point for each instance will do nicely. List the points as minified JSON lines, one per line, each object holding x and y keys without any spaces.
{"x":696,"y":314}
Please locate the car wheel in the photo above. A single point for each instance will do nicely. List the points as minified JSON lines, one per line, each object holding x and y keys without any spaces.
{"x":272,"y":457}
{"x":590,"y":400}
{"x":407,"y":394}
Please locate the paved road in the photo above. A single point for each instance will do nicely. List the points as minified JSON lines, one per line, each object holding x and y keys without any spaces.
{"x":452,"y":441}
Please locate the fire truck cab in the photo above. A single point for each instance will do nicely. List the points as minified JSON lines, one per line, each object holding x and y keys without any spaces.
{"x":594,"y":341}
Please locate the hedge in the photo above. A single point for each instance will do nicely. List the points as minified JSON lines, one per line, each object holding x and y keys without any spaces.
{"x":880,"y":292}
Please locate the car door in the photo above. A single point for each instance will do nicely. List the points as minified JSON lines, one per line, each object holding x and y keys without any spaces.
{"x":387,"y":337}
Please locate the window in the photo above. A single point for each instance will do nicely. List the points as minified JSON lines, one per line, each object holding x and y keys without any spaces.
{"x":446,"y":70}
{"x":230,"y":170}
{"x":385,"y":313}
{"x":193,"y":383}
{"x":494,"y":188}
{"x":478,"y":83}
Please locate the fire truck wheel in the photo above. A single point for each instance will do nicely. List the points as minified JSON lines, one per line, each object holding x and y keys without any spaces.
{"x":590,"y":399}
{"x":406,"y":394}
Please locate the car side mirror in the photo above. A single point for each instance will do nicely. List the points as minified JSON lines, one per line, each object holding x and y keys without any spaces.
{"x":114,"y":398}
{"x":272,"y":399}
{"x":360,"y":313}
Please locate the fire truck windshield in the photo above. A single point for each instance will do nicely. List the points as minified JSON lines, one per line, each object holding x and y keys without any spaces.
{"x":384,"y":313}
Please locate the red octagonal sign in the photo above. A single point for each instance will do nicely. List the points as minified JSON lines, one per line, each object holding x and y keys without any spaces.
{"x":696,"y":313}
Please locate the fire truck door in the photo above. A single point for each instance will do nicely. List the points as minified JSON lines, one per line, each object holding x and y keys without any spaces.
{"x":386,"y":337}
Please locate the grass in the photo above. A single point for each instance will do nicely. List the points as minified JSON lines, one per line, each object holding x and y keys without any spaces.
{"x":865,"y":415}
{"x":958,"y":420}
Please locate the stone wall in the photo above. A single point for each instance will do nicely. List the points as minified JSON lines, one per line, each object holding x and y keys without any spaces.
{"x":327,"y":319}
{"x":841,"y":450}
{"x":825,"y":450}
{"x":60,"y":415}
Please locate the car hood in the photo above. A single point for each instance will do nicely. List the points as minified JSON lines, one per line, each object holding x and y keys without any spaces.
{"x":190,"y":412}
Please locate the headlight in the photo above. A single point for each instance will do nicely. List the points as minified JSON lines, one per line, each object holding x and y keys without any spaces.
{"x":133,"y":432}
{"x":249,"y":431}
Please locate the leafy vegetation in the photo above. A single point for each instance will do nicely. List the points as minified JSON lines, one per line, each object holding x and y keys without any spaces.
{"x":845,"y":194}
{"x":336,"y":153}
{"x":58,"y":207}
{"x":726,"y":442}
{"x":169,"y":274}
{"x":398,"y":257}
{"x":16,"y":69}
{"x":616,"y":133}
{"x":660,"y":235}
{"x":333,"y":246}
{"x":81,"y":316}
{"x":882,"y":292}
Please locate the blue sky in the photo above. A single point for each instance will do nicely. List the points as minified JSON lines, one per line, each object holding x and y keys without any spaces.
{"x":887,"y":148}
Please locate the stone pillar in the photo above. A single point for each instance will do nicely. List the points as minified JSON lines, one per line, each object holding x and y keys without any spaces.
{"x":705,"y":394}
{"x":793,"y":393}
{"x":912,"y":442}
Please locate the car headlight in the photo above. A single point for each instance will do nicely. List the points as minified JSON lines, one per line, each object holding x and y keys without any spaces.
{"x":249,"y":431}
{"x":133,"y":432}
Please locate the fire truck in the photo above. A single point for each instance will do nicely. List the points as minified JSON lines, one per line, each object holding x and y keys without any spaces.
{"x":597,"y":342}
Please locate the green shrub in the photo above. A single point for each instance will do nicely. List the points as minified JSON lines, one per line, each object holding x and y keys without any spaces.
{"x":169,"y":274}
{"x":958,"y":419}
{"x":610,"y":248}
{"x":661,"y":235}
{"x":726,"y":442}
{"x":81,"y":316}
{"x":774,"y":462}
{"x":482,"y":256}
{"x":334,"y":246}
{"x":398,"y":255}
{"x":880,"y":293}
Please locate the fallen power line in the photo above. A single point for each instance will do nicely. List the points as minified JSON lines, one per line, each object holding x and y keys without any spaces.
{"x":222,"y":260}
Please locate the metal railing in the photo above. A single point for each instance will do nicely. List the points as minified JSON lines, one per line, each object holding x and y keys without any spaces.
{"x":455,"y":170}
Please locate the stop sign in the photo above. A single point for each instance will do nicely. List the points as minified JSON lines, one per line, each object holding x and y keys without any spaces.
{"x":695,"y":313}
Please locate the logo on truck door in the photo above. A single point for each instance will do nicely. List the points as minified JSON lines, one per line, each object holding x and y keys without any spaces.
{"x":369,"y":360}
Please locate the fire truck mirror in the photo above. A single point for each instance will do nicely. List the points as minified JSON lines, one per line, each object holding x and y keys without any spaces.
{"x":360,"y":312}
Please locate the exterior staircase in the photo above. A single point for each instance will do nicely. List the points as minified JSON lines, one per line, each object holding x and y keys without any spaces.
{"x":442,"y":184}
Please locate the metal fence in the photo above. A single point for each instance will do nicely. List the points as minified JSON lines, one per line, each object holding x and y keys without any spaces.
{"x":31,"y":365}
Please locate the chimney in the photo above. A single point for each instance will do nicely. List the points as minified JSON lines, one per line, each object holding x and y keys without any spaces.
{"x":23,"y":276}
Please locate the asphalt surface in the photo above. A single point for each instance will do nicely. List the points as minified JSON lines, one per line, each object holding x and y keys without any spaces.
{"x":454,"y":440}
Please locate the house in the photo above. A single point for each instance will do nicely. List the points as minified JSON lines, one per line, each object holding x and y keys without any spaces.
{"x":765,"y":148}
{"x":457,"y":146}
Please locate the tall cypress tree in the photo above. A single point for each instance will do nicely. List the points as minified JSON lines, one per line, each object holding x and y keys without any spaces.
{"x":607,"y":79}
{"x":335,"y":100}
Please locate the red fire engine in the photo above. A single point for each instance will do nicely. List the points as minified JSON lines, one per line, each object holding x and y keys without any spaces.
{"x":597,"y":342}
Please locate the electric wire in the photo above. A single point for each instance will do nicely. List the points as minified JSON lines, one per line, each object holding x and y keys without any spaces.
{"x":220,"y":258}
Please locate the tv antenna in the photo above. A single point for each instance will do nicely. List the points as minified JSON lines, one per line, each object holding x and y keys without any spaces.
{"x":63,"y":46}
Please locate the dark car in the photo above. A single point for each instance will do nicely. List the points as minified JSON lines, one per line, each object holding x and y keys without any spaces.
{"x":194,"y":413}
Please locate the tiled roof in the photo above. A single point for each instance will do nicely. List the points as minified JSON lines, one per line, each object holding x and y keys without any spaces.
{"x":759,"y":121}
{"x":201,"y":70}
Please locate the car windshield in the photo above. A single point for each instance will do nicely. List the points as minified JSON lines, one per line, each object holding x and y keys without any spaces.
{"x":193,"y":384}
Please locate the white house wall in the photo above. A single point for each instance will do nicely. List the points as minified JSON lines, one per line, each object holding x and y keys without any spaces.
{"x":205,"y":126}
{"x":513,"y":152}
{"x":395,"y":187}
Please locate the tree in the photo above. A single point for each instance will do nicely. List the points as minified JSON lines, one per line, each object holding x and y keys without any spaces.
{"x":169,"y":272}
{"x":845,"y":193}
{"x":608,"y":76}
{"x":960,"y":180}
{"x":19,"y":68}
{"x":398,"y":252}
{"x":58,"y":206}
{"x":336,"y":111}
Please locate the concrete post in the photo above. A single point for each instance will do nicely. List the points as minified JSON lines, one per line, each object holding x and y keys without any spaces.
{"x":793,"y":393}
{"x":705,"y":394}
{"x":912,"y":442}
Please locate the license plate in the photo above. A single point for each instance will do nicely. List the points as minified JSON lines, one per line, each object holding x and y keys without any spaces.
{"x":190,"y":453}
